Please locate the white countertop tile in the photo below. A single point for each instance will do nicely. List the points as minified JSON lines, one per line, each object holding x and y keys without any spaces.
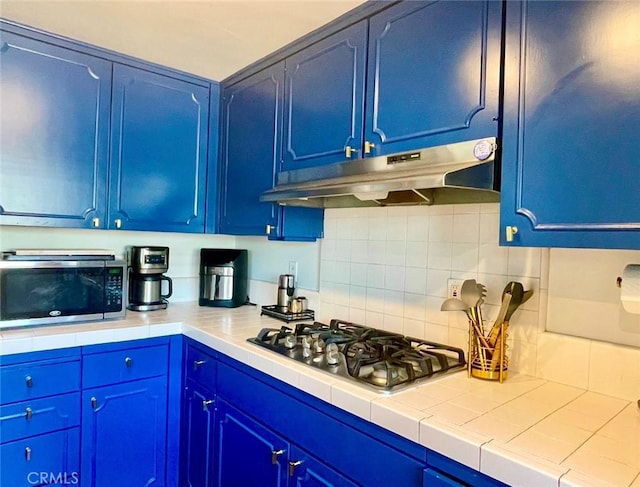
{"x":453,"y":441}
{"x":352,"y":398}
{"x":577,"y":479}
{"x":519,"y":469}
{"x":95,"y":336}
{"x":599,"y":467}
{"x":317,"y":384}
{"x":397,"y":417}
{"x":10,"y":345}
{"x":527,"y":431}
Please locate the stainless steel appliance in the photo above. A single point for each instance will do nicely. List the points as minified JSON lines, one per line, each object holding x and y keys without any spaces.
{"x":286,"y":290}
{"x":146,"y":268}
{"x":382,"y":360}
{"x":463,"y":172}
{"x":223,"y":277}
{"x":39,"y":287}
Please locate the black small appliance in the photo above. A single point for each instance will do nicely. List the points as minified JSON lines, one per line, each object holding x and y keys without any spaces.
{"x":223,"y":277}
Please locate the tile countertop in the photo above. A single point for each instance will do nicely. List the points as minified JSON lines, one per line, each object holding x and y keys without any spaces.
{"x":526,"y":431}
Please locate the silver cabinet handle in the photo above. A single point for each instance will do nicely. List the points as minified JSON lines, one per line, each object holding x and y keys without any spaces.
{"x":198,"y":363}
{"x":28,"y":414}
{"x":274,"y":456}
{"x":27,"y":454}
{"x":128,"y":361}
{"x":292,"y":467}
{"x":29,"y":380}
{"x":94,"y":402}
{"x":205,"y":404}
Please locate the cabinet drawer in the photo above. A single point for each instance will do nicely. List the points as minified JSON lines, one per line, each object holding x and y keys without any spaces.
{"x":39,"y":379}
{"x":38,"y":416}
{"x":200,"y":367}
{"x":124,"y":365}
{"x":53,"y":458}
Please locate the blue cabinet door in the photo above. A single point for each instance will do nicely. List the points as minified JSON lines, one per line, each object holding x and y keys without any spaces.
{"x":570,"y":166}
{"x":54,"y":137}
{"x":251,"y":155}
{"x":433,"y":74}
{"x":324,"y":100}
{"x":433,"y":478}
{"x":248,"y":454}
{"x":307,"y":471}
{"x":198,"y":440}
{"x":124,"y":434}
{"x":53,"y":458}
{"x":251,"y":128}
{"x":158,"y":152}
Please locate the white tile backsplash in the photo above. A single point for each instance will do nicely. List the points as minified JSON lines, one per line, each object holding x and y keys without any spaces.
{"x":398,"y":261}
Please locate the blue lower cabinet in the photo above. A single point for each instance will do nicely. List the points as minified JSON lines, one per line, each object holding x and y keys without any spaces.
{"x":124,"y":434}
{"x":306,"y":471}
{"x":433,"y":478}
{"x":248,"y":454}
{"x":198,"y":437}
{"x":350,"y":446}
{"x":38,"y":416}
{"x":39,"y":378}
{"x":52,"y":458}
{"x":441,"y":471}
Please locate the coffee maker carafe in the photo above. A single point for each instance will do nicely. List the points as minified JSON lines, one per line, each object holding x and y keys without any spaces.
{"x":146,"y":268}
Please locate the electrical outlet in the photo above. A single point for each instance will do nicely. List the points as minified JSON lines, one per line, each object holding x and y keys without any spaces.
{"x":293,"y":269}
{"x":454,"y":286}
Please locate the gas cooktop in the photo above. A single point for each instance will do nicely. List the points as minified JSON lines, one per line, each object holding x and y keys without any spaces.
{"x":382,"y":360}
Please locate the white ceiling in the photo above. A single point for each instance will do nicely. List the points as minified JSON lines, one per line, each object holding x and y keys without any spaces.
{"x":210,"y":38}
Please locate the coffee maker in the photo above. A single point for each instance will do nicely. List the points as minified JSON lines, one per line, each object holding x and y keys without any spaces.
{"x":223,"y":277}
{"x":146,"y":268}
{"x":286,"y":290}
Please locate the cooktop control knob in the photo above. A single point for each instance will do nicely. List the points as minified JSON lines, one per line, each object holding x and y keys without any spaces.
{"x":333,"y":355}
{"x":319,"y":345}
{"x":290,"y":341}
{"x":306,"y":346}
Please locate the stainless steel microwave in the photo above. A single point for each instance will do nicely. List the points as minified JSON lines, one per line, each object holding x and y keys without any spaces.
{"x":39,"y":292}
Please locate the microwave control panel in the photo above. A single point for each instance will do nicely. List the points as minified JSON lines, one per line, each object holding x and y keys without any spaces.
{"x":113,"y":289}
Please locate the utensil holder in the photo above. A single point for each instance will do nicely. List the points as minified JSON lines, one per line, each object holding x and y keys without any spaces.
{"x":488,"y":361}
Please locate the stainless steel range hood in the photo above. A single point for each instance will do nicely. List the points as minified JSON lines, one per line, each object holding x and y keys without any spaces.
{"x":457,"y":173}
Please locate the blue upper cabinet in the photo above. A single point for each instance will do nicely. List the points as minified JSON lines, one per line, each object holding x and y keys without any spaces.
{"x":418,"y":74}
{"x":54,"y":137}
{"x":570,"y":168}
{"x":250,"y":143}
{"x":251,"y":130}
{"x":158,"y":152}
{"x":324,"y":100}
{"x":433,"y":75}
